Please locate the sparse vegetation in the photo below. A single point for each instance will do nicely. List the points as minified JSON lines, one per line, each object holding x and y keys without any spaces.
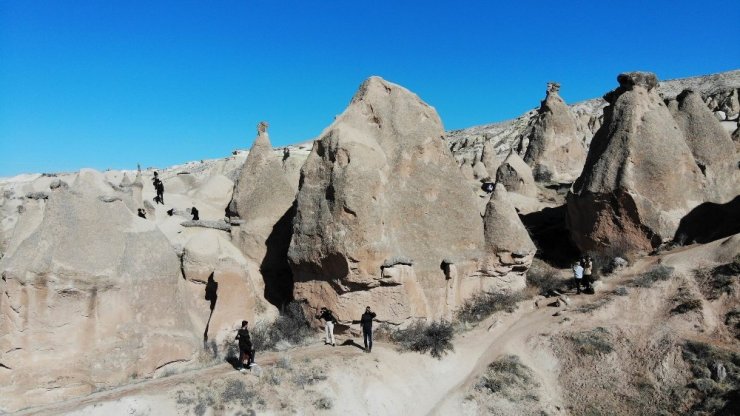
{"x":509,"y":378}
{"x":291,"y":327}
{"x":432,"y":337}
{"x":484,"y":304}
{"x":235,"y":392}
{"x":593,"y":342}
{"x":718,"y":394}
{"x":544,"y":277}
{"x":719,"y":280}
{"x":323,"y":403}
{"x":658,"y":273}
{"x":685,"y":302}
{"x":732,"y":320}
{"x":598,"y":304}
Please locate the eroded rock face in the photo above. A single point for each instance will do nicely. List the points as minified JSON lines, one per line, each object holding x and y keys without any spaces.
{"x":640,"y":177}
{"x":382,"y":207}
{"x":710,"y":145}
{"x":552,"y":145}
{"x":95,"y":284}
{"x":516,"y":176}
{"x":263,"y":201}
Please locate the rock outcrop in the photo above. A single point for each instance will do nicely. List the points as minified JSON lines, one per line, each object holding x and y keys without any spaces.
{"x":710,"y":144}
{"x":509,"y":246}
{"x":95,"y":284}
{"x":640,"y":176}
{"x":516,"y":176}
{"x":384,"y":215}
{"x":489,"y":159}
{"x":263,"y":201}
{"x":552,"y":145}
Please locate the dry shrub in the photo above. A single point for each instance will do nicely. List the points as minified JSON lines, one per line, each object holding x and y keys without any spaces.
{"x":291,"y":326}
{"x":593,"y":342}
{"x":658,"y":273}
{"x":544,"y":278}
{"x":508,"y":377}
{"x":433,"y":337}
{"x":484,"y":304}
{"x":719,"y":280}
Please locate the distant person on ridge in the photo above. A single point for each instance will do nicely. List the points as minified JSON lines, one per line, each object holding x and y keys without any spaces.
{"x":329,"y":320}
{"x":366,"y":322}
{"x":158,"y":188}
{"x":578,"y":276}
{"x":194,"y":211}
{"x":246,"y":351}
{"x":141,"y":213}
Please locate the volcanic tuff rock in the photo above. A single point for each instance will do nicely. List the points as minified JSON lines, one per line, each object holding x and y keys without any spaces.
{"x":516,"y":176}
{"x":80,"y":279}
{"x":381,"y":208}
{"x":640,"y":177}
{"x":552,"y":144}
{"x":263,"y":200}
{"x":710,"y":144}
{"x":509,"y":246}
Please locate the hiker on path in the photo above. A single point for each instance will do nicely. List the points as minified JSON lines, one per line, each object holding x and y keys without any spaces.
{"x":329,"y":320}
{"x":246,"y":351}
{"x":588,"y":266}
{"x":158,"y":188}
{"x":578,"y":276}
{"x":366,"y":322}
{"x":194,"y":211}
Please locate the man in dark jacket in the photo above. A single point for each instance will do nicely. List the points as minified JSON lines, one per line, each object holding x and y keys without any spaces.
{"x":245,"y":346}
{"x":366,"y":322}
{"x":329,"y":321}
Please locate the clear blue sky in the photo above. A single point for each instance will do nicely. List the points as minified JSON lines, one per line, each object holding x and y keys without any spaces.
{"x":108,"y":83}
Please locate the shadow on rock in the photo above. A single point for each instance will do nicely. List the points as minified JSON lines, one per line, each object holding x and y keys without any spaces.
{"x":275,"y":268}
{"x":708,"y":222}
{"x":547,"y":230}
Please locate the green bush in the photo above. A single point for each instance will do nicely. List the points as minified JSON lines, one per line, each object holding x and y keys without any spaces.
{"x":484,"y":304}
{"x":291,"y":326}
{"x":434,"y":338}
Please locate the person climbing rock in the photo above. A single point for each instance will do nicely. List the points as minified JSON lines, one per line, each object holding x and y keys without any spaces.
{"x":246,"y":350}
{"x":141,"y":213}
{"x":329,"y":320}
{"x":366,"y":322}
{"x":158,"y":188}
{"x":212,"y":291}
{"x":578,"y":276}
{"x":194,"y":212}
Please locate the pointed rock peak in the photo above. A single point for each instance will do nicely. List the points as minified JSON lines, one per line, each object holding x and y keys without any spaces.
{"x":263,"y":139}
{"x":376,"y":89}
{"x":499,"y":193}
{"x":552,"y":88}
{"x":126,"y":181}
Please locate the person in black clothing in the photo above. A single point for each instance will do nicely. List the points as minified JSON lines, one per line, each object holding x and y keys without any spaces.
{"x":158,"y":188}
{"x":329,"y":320}
{"x":366,"y":322}
{"x":142,"y":213}
{"x":212,"y":291}
{"x":246,"y":351}
{"x":194,"y":211}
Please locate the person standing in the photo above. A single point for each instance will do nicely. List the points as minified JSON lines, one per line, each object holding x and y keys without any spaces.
{"x":246,"y":351}
{"x":366,"y":322}
{"x":158,"y":188}
{"x":329,"y":320}
{"x":195,"y":213}
{"x":578,"y":276}
{"x":588,"y":266}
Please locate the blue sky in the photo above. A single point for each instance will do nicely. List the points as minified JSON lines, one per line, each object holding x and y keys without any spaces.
{"x":107,"y":84}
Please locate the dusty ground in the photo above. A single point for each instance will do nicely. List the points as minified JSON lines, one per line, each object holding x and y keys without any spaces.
{"x":615,"y":352}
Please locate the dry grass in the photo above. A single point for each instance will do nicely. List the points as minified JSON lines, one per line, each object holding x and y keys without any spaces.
{"x":432,"y":337}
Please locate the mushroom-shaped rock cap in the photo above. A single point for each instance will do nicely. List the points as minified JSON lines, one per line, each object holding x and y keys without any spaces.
{"x":628,"y":80}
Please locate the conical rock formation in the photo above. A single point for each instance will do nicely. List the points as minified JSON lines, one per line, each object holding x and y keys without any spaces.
{"x":640,"y":177}
{"x":516,"y":176}
{"x":710,"y":144}
{"x":552,"y":145}
{"x":382,"y":206}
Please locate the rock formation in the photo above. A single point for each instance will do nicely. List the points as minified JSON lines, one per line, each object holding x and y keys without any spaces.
{"x":640,"y":177}
{"x":509,"y":245}
{"x":384,"y":216}
{"x":263,"y":201}
{"x":95,"y":284}
{"x":552,"y":144}
{"x":516,"y":176}
{"x":710,"y":144}
{"x":489,"y":159}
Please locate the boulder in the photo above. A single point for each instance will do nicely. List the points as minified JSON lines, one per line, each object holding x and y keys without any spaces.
{"x":383,"y":211}
{"x":711,"y":146}
{"x":263,"y":201}
{"x":489,"y":158}
{"x":551,"y":144}
{"x":516,"y":176}
{"x":96,"y":285}
{"x":640,"y":176}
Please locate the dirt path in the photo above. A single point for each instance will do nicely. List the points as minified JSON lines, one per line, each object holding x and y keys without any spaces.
{"x":497,"y":336}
